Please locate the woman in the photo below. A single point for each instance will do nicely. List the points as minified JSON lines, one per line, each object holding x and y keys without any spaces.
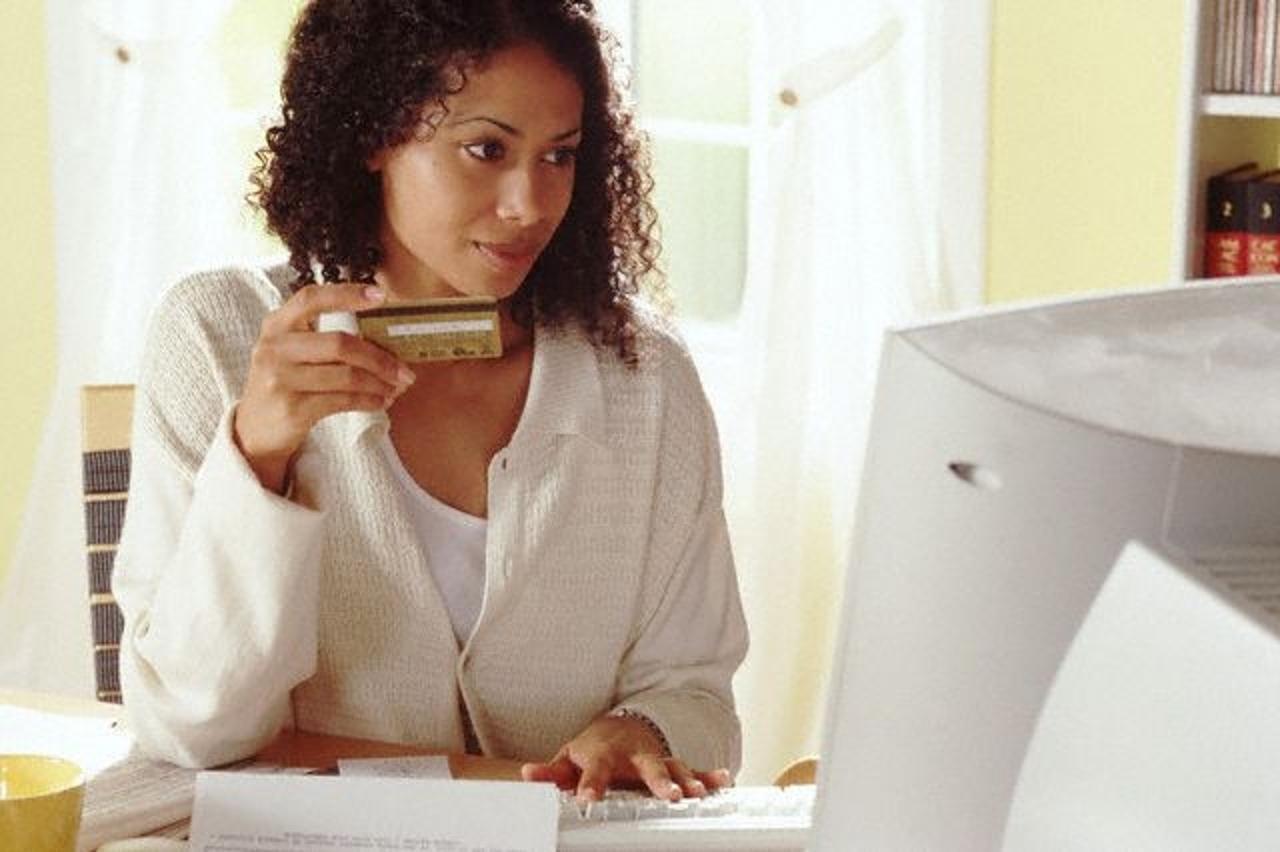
{"x":524,"y":556}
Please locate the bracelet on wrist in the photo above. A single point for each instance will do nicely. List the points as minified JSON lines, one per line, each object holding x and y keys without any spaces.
{"x":649,"y":724}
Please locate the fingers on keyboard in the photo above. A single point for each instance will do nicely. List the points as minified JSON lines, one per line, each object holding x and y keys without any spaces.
{"x":656,"y":775}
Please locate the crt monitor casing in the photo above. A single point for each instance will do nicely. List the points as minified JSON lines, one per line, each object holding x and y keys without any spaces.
{"x":1011,"y":457}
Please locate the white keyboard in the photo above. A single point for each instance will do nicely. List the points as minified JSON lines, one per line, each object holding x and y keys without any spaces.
{"x":743,"y":819}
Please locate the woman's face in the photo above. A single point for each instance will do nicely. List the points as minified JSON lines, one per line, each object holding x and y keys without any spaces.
{"x":468,"y":209}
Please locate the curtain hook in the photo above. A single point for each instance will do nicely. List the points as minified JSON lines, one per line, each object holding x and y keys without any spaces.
{"x":811,"y":80}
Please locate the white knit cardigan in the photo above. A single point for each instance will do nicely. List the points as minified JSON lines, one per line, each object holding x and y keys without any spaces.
{"x":609,"y":581}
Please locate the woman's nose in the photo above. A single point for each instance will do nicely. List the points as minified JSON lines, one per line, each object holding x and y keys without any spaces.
{"x":524,"y":197}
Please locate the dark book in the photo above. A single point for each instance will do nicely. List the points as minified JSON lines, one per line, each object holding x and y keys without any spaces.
{"x":1225,"y":223}
{"x":1221,"y":44}
{"x":1262,"y":224}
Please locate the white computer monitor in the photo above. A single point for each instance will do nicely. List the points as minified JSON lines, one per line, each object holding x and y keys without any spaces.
{"x":1013,"y":457}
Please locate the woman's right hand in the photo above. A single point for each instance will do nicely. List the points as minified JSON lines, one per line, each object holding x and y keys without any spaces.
{"x":298,"y":375}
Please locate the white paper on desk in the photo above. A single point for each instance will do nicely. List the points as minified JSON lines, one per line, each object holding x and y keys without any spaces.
{"x":417,"y":766}
{"x":275,"y":813}
{"x":92,"y":742}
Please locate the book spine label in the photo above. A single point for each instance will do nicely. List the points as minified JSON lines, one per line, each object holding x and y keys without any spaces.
{"x":1263,"y":252}
{"x":1225,"y":254}
{"x":1262,"y":241}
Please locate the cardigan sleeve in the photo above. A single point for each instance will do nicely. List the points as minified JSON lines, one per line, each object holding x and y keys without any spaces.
{"x":216,"y":576}
{"x":678,"y":670}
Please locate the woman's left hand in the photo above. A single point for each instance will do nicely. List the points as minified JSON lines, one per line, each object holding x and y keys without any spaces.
{"x":615,"y":751}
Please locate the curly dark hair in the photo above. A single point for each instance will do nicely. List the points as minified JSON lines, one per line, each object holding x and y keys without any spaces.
{"x":357,"y":76}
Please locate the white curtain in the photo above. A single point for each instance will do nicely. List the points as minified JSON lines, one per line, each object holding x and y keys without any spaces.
{"x":139,"y":167}
{"x":844,"y":244}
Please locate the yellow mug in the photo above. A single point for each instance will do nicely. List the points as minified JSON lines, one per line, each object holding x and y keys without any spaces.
{"x":40,"y":800}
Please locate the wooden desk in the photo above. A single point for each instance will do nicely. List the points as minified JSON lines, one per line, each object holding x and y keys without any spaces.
{"x":290,"y":748}
{"x":300,"y":748}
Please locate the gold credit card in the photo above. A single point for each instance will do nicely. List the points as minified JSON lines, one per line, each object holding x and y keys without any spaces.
{"x":435,"y":329}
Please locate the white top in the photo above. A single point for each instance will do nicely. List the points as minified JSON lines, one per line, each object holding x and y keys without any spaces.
{"x":454,"y":545}
{"x":609,"y":578}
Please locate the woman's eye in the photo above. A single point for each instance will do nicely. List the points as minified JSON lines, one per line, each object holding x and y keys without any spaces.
{"x":562,"y":156}
{"x":485,"y":150}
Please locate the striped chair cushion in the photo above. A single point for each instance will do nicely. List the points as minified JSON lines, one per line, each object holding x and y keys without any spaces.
{"x":106,"y":416}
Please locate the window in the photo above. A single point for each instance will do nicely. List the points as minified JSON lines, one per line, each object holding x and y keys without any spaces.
{"x":701,"y":120}
{"x":250,"y":48}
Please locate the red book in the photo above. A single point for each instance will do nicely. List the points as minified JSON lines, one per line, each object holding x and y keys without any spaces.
{"x":1262,"y":222}
{"x":1225,"y":223}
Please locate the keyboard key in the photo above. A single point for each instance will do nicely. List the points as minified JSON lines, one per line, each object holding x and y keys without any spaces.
{"x":741,"y":819}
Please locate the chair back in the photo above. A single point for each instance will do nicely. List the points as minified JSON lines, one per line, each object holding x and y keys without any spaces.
{"x":106,"y":415}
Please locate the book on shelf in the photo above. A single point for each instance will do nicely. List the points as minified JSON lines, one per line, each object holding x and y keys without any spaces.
{"x":1218,"y":79}
{"x":1226,"y":224}
{"x":1262,"y":224}
{"x":1245,"y":37}
{"x":1267,"y":46}
{"x":1244,"y":78}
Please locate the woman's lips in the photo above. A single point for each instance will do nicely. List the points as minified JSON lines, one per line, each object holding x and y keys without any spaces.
{"x":507,"y":256}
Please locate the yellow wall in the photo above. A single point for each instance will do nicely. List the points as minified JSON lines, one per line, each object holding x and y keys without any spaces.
{"x":26,"y":244}
{"x":1083,"y":145}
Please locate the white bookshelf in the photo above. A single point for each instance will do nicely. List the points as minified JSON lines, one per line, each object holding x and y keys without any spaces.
{"x":1198,"y":104}
{"x":1241,"y":106}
